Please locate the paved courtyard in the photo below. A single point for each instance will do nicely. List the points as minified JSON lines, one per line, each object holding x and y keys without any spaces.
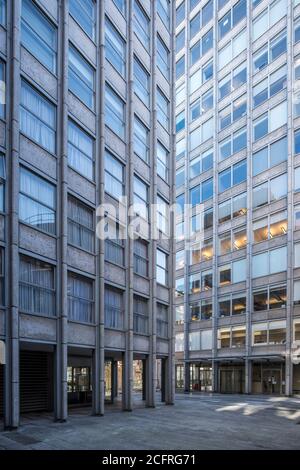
{"x":194,"y":422}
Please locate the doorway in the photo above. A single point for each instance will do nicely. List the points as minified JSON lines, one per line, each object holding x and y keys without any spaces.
{"x":231,"y":380}
{"x":79,"y":385}
{"x":271,"y":381}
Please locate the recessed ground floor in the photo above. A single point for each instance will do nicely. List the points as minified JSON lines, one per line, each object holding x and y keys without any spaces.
{"x":198,"y":421}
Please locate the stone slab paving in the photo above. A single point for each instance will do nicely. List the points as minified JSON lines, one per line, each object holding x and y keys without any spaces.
{"x":194,"y":422}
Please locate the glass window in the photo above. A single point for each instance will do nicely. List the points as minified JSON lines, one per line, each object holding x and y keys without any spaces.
{"x":38,"y":35}
{"x":2,"y":90}
{"x":36,"y":287}
{"x":2,"y":184}
{"x":80,"y":224}
{"x":207,"y":72}
{"x":180,"y":66}
{"x":297,"y":179}
{"x":162,"y":215}
{"x":141,"y":24}
{"x":162,"y":161}
{"x":113,"y":308}
{"x":207,"y":12}
{"x":207,"y":41}
{"x":297,"y":292}
{"x":114,"y":112}
{"x":141,"y":82}
{"x":37,"y":117}
{"x":180,"y":121}
{"x":195,"y":53}
{"x":121,"y":5}
{"x":278,"y":46}
{"x":140,"y":257}
{"x":260,"y":127}
{"x":140,"y":197}
{"x":80,"y":151}
{"x":161,"y":267}
{"x":162,"y":109}
{"x":115,"y":48}
{"x":84,"y":12}
{"x":179,"y":342}
{"x":81,"y":78}
{"x":277,"y":332}
{"x":80,"y":298}
{"x":239,"y":270}
{"x":114,"y":176}
{"x":195,"y":25}
{"x":163,"y":9}
{"x":162,"y":320}
{"x":224,"y":338}
{"x":140,"y":315}
{"x":180,"y":40}
{"x":3,"y":12}
{"x":141,"y":140}
{"x":180,"y":13}
{"x":260,"y":333}
{"x":163,"y":58}
{"x":238,"y":337}
{"x":278,"y":187}
{"x":37,"y":201}
{"x":297,"y":218}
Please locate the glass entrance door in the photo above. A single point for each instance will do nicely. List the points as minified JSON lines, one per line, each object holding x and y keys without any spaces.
{"x":271,"y":381}
{"x":108,"y":381}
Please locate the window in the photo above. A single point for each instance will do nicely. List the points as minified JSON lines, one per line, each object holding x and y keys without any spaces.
{"x":163,"y":58}
{"x":2,"y":278}
{"x":270,"y":191}
{"x":180,"y":40}
{"x":180,"y":66}
{"x":232,"y":241}
{"x":297,"y":218}
{"x":201,"y":106}
{"x":268,"y":122}
{"x":80,"y":224}
{"x":232,"y":337}
{"x":3,"y":12}
{"x":141,"y":140}
{"x":233,"y":81}
{"x":272,"y":332}
{"x":80,"y":299}
{"x":202,"y":192}
{"x":269,"y":262}
{"x":233,"y":112}
{"x":269,"y":297}
{"x":141,"y":257}
{"x":232,"y":273}
{"x":297,"y":255}
{"x":269,"y":227}
{"x":38,"y":35}
{"x":232,"y":176}
{"x":180,"y":121}
{"x":232,"y":18}
{"x":201,"y":310}
{"x":141,"y":82}
{"x":140,"y":315}
{"x":81,"y":78}
{"x":207,"y":12}
{"x":161,"y":267}
{"x":271,"y":85}
{"x":114,"y":244}
{"x":80,"y":151}
{"x":233,"y":208}
{"x":179,"y":342}
{"x":141,"y":25}
{"x":162,"y":109}
{"x":114,"y":112}
{"x":84,"y":12}
{"x":140,"y":197}
{"x":269,"y":52}
{"x":162,"y":215}
{"x":232,"y":49}
{"x":37,"y":202}
{"x":37,"y":118}
{"x":179,"y":314}
{"x":180,"y":13}
{"x":297,"y":292}
{"x":37,"y":287}
{"x":202,"y":163}
{"x":195,"y":25}
{"x":233,"y":304}
{"x":179,"y":287}
{"x":202,"y":133}
{"x":114,"y":176}
{"x":193,"y":4}
{"x":115,"y":48}
{"x":113,"y":308}
{"x":297,"y":142}
{"x":2,"y":182}
{"x":121,"y":5}
{"x":201,"y":47}
{"x":269,"y":17}
{"x":2,"y":90}
{"x":233,"y":144}
{"x":163,"y":9}
{"x":269,"y":156}
{"x":297,"y":179}
{"x":162,"y":320}
{"x":162,"y":161}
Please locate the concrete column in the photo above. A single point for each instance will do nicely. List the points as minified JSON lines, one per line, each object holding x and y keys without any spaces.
{"x":128,"y":355}
{"x":248,"y":376}
{"x":215,"y":377}
{"x":99,"y":362}
{"x":61,"y":356}
{"x":12,"y":396}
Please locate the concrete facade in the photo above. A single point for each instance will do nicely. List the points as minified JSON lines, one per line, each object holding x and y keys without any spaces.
{"x":73,"y":346}
{"x":256,"y":363}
